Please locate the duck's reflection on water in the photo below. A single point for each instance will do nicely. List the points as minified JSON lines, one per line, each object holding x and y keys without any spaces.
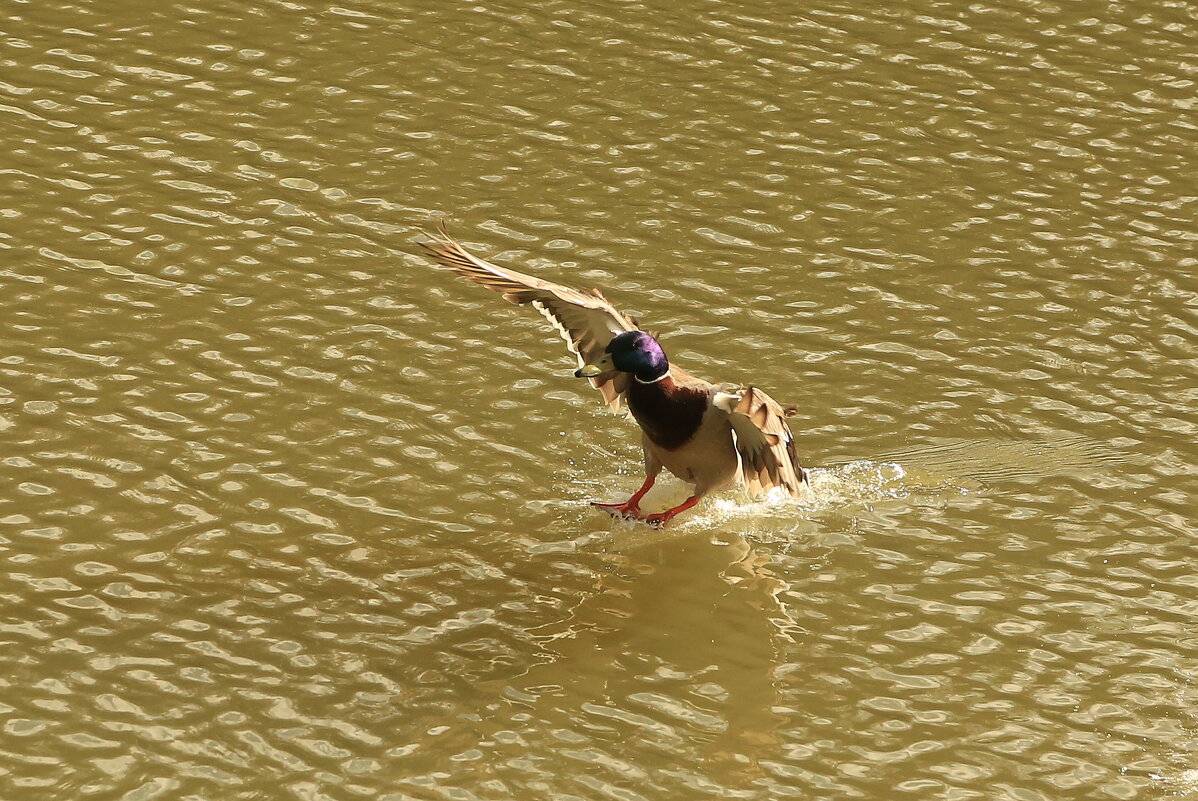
{"x":682,"y":641}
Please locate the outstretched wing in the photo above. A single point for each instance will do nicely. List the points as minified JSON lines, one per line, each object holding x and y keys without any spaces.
{"x":764,"y":442}
{"x":585,"y":319}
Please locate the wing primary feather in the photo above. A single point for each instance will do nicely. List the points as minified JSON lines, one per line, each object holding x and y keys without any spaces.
{"x":584,"y":318}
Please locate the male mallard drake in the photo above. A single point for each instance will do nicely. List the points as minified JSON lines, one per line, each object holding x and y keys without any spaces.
{"x":713,"y":437}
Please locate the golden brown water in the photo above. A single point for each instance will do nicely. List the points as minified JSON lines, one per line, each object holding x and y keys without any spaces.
{"x":287,"y":513}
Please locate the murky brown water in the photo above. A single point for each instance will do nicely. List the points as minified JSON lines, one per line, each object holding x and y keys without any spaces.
{"x":286,"y":513}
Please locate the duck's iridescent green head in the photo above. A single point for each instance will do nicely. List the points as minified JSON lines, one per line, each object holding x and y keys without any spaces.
{"x":631,"y":352}
{"x":640,"y":354}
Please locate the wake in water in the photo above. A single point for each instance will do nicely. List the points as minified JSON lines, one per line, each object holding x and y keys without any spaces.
{"x":841,"y":494}
{"x":839,"y":490}
{"x":929,"y":474}
{"x":839,"y":498}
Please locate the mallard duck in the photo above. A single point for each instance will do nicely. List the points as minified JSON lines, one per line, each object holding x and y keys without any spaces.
{"x":709,"y":435}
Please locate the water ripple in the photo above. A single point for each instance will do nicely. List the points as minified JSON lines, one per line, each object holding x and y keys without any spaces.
{"x":283,"y":510}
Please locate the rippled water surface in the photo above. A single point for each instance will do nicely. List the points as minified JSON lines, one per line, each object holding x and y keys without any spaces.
{"x":285,"y":512}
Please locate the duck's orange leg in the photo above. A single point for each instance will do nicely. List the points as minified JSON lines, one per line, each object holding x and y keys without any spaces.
{"x":630,"y":507}
{"x":661,"y":518}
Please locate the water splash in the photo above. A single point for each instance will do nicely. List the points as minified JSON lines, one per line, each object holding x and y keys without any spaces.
{"x":828,"y":510}
{"x":839,"y":491}
{"x":1181,"y":785}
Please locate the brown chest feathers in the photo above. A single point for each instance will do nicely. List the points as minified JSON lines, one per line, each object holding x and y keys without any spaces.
{"x":669,"y":414}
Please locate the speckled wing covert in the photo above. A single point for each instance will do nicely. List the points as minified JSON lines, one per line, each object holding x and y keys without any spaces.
{"x":765,"y":444}
{"x":585,"y":319}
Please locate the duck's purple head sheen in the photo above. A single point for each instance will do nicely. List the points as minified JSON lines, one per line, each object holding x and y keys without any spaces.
{"x":640,"y":354}
{"x":631,"y":352}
